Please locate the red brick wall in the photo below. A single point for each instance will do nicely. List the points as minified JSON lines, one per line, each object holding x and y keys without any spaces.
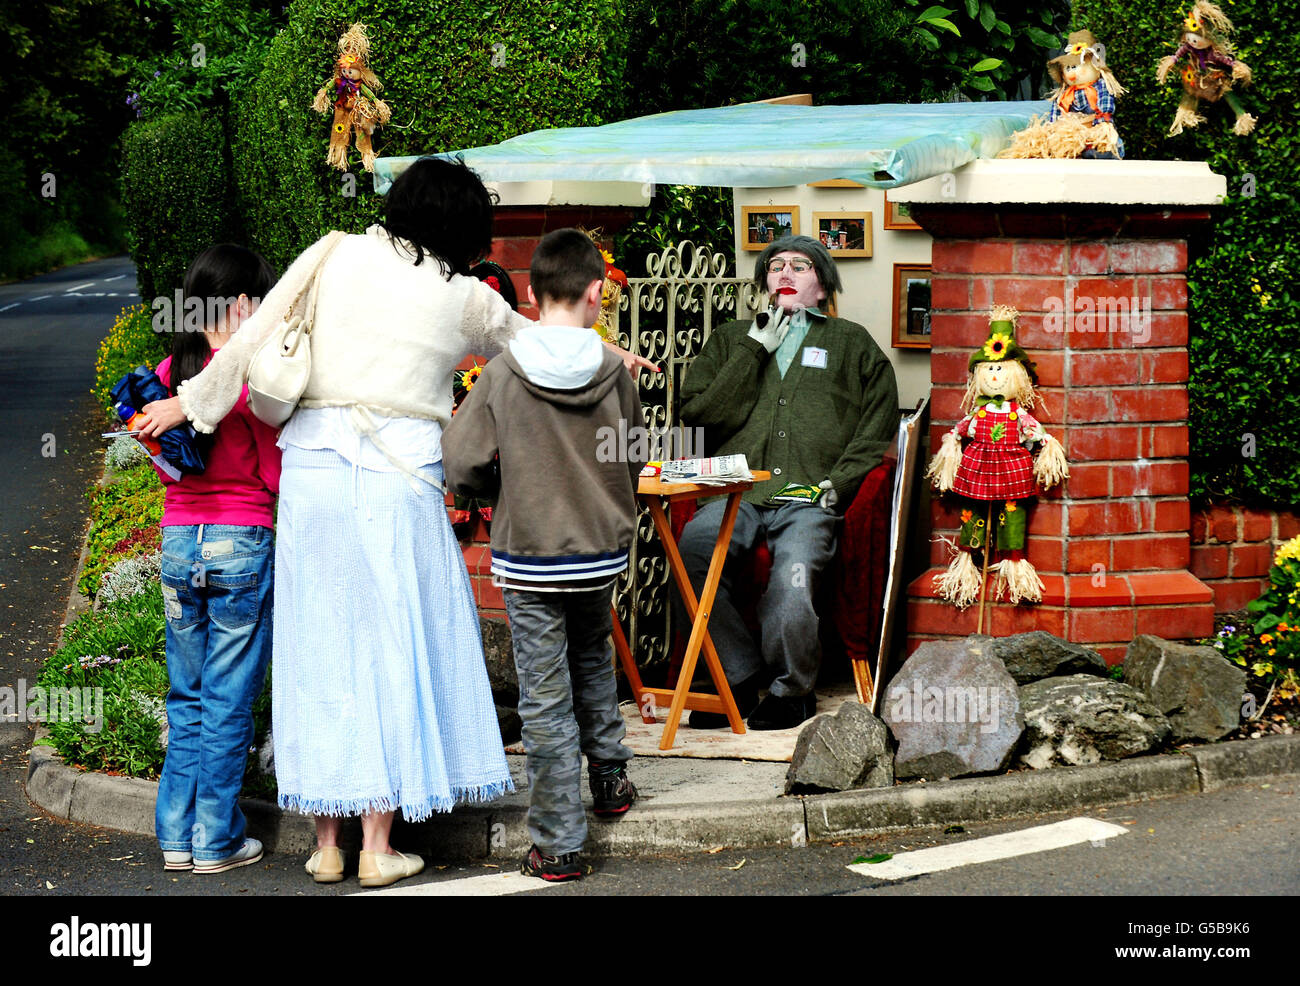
{"x":1112,"y":545}
{"x":1232,"y":549}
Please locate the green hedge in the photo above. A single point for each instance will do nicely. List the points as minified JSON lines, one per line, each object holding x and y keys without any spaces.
{"x":561,"y":65}
{"x":129,"y":343}
{"x":177,"y":192}
{"x":1245,"y":310}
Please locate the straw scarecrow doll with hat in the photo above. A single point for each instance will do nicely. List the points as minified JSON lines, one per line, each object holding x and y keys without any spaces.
{"x":1008,"y":456}
{"x":356,"y":107}
{"x":1081,"y":119}
{"x":1210,"y":71}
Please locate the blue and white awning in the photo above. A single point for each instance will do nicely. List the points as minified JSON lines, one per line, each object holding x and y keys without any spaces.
{"x":754,"y":145}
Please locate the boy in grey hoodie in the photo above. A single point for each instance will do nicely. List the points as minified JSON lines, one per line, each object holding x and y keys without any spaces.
{"x":535,"y":431}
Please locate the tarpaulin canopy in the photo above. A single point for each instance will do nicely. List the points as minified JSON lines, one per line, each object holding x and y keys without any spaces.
{"x":754,"y":145}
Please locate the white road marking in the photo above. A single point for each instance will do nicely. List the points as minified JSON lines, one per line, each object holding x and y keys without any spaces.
{"x":88,"y":284}
{"x":117,"y":277}
{"x":488,"y":885}
{"x":41,"y":297}
{"x":7,"y":307}
{"x":1041,"y":838}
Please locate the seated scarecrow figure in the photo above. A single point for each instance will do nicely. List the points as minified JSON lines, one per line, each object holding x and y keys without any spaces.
{"x":1081,"y":117}
{"x":1008,"y":456}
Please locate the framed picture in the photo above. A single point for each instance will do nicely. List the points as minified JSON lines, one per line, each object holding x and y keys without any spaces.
{"x":844,"y":234}
{"x":765,"y":223}
{"x":897,"y":216}
{"x":911,"y":326}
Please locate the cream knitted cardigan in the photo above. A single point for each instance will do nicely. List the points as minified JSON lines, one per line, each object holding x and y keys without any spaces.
{"x":387,"y":334}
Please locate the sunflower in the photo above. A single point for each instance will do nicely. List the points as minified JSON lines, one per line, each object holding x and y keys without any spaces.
{"x":997,"y":346}
{"x":470,"y":377}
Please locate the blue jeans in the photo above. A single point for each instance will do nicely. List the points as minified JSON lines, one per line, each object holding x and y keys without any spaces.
{"x":216,"y":583}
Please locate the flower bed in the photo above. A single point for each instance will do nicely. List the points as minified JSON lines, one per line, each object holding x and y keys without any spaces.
{"x":113,"y":659}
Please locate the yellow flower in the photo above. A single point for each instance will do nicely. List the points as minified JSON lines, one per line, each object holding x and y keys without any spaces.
{"x":1266,"y":638}
{"x":1011,"y":506}
{"x":1291,"y":549}
{"x":996,"y":347}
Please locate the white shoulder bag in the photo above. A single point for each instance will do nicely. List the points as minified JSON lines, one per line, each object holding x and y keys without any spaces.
{"x":281,"y":367}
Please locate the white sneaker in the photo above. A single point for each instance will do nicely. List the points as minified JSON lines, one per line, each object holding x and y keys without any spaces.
{"x":249,"y":852}
{"x":175,"y":860}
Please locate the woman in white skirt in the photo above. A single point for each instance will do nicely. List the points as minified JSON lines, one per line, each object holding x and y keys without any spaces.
{"x":380,"y":696}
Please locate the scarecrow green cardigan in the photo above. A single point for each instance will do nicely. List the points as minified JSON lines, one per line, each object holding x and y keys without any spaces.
{"x":834,"y":422}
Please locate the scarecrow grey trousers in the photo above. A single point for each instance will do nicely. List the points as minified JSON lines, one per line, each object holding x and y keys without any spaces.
{"x":568,"y":702}
{"x":801,"y":538}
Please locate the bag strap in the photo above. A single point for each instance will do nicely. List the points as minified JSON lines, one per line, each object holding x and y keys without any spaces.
{"x":313,"y":284}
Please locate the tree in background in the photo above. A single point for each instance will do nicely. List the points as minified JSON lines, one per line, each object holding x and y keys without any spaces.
{"x":66,"y":72}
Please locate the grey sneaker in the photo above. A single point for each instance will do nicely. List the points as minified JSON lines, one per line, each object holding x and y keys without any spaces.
{"x":249,"y":852}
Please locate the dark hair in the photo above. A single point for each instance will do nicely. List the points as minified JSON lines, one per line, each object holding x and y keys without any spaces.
{"x":217,"y":277}
{"x":500,"y":281}
{"x":827,"y":274}
{"x":444,"y":210}
{"x":564,"y":265}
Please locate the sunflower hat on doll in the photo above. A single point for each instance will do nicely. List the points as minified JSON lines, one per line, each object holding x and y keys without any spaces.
{"x":1008,"y":455}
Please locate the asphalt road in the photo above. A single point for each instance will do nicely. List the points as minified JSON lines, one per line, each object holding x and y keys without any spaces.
{"x":50,"y":330}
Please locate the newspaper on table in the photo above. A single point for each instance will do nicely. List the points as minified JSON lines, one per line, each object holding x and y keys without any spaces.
{"x":717,"y":471}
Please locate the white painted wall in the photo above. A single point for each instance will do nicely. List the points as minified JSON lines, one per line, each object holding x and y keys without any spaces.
{"x":868,"y":281}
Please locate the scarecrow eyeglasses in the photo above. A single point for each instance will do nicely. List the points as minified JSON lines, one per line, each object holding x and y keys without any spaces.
{"x":798,"y":266}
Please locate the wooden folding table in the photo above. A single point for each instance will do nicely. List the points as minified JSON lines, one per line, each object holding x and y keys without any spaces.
{"x":653,"y":492}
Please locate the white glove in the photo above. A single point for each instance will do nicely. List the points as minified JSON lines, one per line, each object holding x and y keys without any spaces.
{"x":829,"y":498}
{"x":770,"y":326}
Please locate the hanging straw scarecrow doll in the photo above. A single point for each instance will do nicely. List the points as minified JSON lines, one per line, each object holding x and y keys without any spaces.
{"x":1009,"y":456}
{"x":352,"y":93}
{"x":1081,"y":119}
{"x":1210,"y":71}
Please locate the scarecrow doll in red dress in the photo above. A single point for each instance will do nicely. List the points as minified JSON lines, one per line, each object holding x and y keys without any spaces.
{"x":352,"y":93}
{"x":1211,"y":69}
{"x":1008,"y":457}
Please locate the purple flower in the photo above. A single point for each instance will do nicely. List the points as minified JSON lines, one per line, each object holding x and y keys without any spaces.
{"x":157,"y":72}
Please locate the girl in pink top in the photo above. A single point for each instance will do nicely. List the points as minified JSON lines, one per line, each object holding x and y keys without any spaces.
{"x":217,"y":553}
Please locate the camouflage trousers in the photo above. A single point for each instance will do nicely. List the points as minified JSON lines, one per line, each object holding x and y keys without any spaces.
{"x":568,"y":702}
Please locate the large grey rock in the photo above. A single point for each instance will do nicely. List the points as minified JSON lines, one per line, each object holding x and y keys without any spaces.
{"x":847,"y":750}
{"x":1197,"y":689}
{"x":954,"y":710}
{"x":1037,"y":655}
{"x":1082,"y":719}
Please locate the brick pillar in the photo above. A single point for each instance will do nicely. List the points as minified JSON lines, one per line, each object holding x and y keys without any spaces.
{"x":1103,"y":299}
{"x":517,"y":232}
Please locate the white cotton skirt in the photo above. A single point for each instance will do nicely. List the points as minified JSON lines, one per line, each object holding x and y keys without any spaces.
{"x":380,"y":693}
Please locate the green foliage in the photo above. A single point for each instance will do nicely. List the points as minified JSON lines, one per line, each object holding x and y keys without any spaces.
{"x":214,"y":50}
{"x":705,"y":216}
{"x":121,"y":650}
{"x":131,"y":342}
{"x":64,"y":109}
{"x":688,"y":54}
{"x":1277,"y":613}
{"x":124,"y":519}
{"x":177,"y":191}
{"x":1244,"y":308}
{"x":455,"y":76}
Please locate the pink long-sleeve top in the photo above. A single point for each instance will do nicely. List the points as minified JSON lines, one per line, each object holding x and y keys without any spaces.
{"x":242,"y":477}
